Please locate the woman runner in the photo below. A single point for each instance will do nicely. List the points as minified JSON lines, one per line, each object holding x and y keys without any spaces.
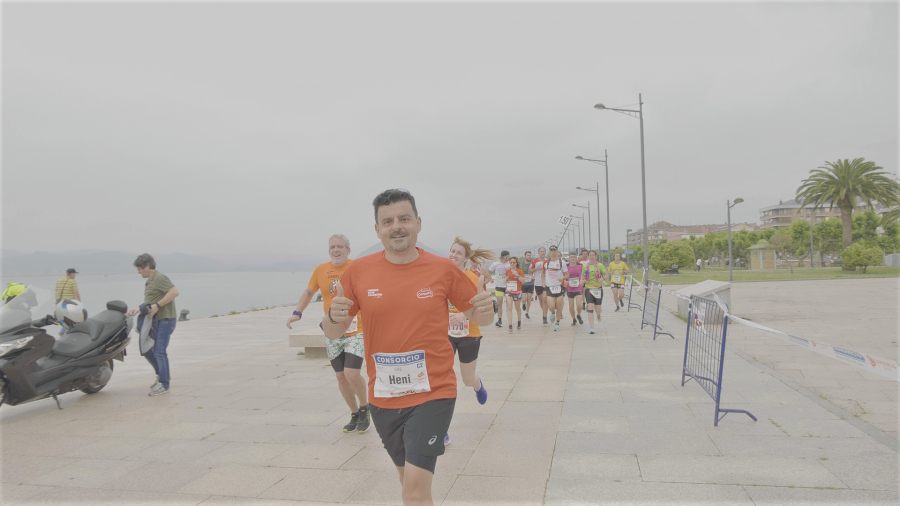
{"x":536,"y":270}
{"x":514,"y":279}
{"x":592,"y":275}
{"x":573,"y":288}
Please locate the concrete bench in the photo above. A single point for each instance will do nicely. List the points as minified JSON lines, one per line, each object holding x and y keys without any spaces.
{"x":705,"y":289}
{"x":312,"y":341}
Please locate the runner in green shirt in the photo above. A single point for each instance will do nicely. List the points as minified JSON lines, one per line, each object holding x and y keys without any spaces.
{"x":592,"y":275}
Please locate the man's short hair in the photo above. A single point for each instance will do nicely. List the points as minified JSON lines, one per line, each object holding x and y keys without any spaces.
{"x":504,"y":253}
{"x":388,"y":197}
{"x":584,"y":251}
{"x":527,"y":253}
{"x":341,"y":237}
{"x":145,"y":260}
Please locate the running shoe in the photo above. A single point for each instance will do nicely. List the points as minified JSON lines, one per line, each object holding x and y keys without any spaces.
{"x":526,"y":316}
{"x":556,"y":328}
{"x":580,"y":320}
{"x":446,"y":439}
{"x":354,"y":422}
{"x":592,"y":330}
{"x":545,"y":320}
{"x":481,"y":394}
{"x":552,"y":317}
{"x":519,"y":326}
{"x":573,"y":323}
{"x":523,"y":306}
{"x":622,"y":302}
{"x":159,"y":390}
{"x":365,"y":419}
{"x":617,"y":309}
{"x":155,"y":384}
{"x":510,"y":328}
{"x":500,"y":322}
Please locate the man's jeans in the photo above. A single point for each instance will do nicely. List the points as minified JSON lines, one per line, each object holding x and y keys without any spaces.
{"x":158,"y":358}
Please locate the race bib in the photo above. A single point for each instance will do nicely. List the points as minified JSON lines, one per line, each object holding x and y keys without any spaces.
{"x":512,"y":286}
{"x":574,"y":282}
{"x":399,"y":374}
{"x":555,"y":289}
{"x":528,"y":278}
{"x":617,"y":278}
{"x":461,"y":330}
{"x":596,"y":292}
{"x":354,"y":326}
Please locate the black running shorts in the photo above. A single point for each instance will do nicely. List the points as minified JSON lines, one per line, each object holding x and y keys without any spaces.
{"x":467,"y":347}
{"x":515,"y":296}
{"x":617,"y":285}
{"x":527,"y":288}
{"x":348,"y":360}
{"x":572,"y":295}
{"x":589,"y":297}
{"x":418,"y":430}
{"x":538,"y":289}
{"x":562,"y":292}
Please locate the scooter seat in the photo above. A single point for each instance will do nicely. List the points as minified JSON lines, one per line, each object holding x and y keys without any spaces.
{"x":84,"y":336}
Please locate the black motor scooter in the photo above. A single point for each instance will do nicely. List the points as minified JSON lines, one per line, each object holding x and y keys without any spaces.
{"x":34,"y":365}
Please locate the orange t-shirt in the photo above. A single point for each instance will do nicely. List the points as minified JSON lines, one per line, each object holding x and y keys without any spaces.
{"x":323,"y":278}
{"x":474,"y":330}
{"x":514,"y":275}
{"x":406,"y":311}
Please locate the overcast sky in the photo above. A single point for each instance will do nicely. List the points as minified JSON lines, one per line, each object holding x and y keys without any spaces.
{"x":225,"y":128}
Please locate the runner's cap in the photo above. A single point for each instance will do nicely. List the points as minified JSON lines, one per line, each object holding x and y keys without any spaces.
{"x":71,"y":271}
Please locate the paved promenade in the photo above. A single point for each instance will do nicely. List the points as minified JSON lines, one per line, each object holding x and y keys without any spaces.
{"x":571,"y":419}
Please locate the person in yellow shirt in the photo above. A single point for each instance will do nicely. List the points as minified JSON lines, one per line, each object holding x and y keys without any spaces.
{"x":346,"y":354}
{"x":617,"y":272}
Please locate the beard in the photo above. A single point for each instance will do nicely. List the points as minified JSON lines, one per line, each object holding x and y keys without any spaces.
{"x":402,"y":246}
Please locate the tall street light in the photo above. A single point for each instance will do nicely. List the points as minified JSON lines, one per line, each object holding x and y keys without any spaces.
{"x":590,"y":239}
{"x":731,"y":260}
{"x":580,"y":228}
{"x":605,"y":164}
{"x":639,"y":114}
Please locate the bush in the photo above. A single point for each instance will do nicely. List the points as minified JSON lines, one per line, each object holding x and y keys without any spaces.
{"x":862,"y":254}
{"x":672,"y":253}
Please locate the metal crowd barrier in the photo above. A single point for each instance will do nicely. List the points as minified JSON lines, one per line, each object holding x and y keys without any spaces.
{"x":629,"y":287}
{"x":704,"y":350}
{"x":650,"y":316}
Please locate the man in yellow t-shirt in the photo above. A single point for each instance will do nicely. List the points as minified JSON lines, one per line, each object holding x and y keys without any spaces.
{"x":347,"y":353}
{"x":617,"y":272}
{"x":67,"y":287}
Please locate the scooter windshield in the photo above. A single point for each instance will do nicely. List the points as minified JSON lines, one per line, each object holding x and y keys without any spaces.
{"x":32,"y":304}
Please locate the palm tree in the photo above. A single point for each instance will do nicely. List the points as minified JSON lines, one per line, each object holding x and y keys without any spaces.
{"x":844,"y":182}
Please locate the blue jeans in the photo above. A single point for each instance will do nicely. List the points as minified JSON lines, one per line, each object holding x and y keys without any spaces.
{"x":158,"y":357}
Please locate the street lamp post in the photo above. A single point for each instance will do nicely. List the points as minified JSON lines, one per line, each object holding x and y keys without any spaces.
{"x":605,"y":164}
{"x":580,"y":228}
{"x":731,"y":260}
{"x":639,"y":114}
{"x":590,"y":239}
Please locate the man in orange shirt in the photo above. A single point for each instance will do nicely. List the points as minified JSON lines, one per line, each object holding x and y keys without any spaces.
{"x":346,"y":354}
{"x":404,"y":291}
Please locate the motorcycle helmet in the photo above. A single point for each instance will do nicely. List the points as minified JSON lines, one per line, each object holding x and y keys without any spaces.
{"x":69,"y":312}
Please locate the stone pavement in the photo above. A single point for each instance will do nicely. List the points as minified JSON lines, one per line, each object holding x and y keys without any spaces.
{"x":571,"y":419}
{"x":860,"y":314}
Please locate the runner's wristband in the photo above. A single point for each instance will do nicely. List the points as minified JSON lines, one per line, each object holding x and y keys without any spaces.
{"x":330,"y":318}
{"x":298,"y":314}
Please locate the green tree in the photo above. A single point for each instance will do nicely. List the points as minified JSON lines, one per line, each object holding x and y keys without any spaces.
{"x":844,"y":182}
{"x":828,"y":234}
{"x":672,"y":253}
{"x":783,"y":244}
{"x":767,"y":234}
{"x":799,"y":233}
{"x":890,"y":240}
{"x":862,"y":254}
{"x":865,"y":225}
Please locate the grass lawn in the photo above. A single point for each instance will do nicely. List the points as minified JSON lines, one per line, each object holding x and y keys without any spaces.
{"x":688,"y":276}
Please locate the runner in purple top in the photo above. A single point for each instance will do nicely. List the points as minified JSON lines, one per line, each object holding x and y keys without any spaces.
{"x":574,"y":289}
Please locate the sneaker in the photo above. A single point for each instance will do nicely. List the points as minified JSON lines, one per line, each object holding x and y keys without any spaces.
{"x":354,"y":422}
{"x":617,"y":309}
{"x":519,"y":326}
{"x":499,"y":322}
{"x":446,"y":439}
{"x":556,"y":328}
{"x":592,"y":330}
{"x":622,"y":302}
{"x":526,"y":316}
{"x":365,"y":419}
{"x":510,"y":327}
{"x":580,"y":320}
{"x":159,"y":390}
{"x":573,"y":323}
{"x":155,"y":384}
{"x":552,"y":317}
{"x":523,"y":306}
{"x":545,"y":320}
{"x":481,"y":394}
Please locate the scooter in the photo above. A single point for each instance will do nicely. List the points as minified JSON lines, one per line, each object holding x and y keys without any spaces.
{"x":35,"y":365}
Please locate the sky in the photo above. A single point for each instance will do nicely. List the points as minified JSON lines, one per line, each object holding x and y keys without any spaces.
{"x":245,"y":128}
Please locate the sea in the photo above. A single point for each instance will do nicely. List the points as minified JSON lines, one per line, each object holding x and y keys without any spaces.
{"x":204,"y":294}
